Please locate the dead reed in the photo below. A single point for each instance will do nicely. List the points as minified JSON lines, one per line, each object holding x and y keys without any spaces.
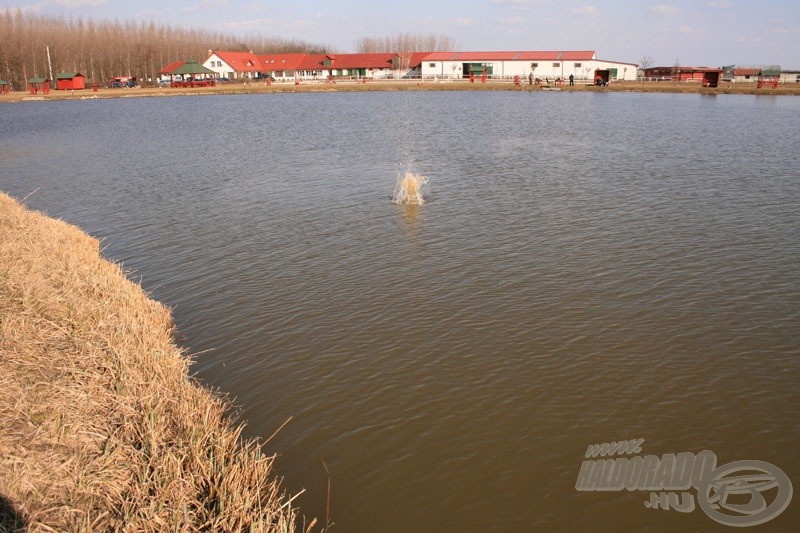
{"x":101,"y":427}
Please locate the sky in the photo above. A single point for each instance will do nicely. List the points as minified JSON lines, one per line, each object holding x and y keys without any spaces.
{"x":667,"y":32}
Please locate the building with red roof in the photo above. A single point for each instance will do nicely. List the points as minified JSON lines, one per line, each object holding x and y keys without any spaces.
{"x":581,"y":64}
{"x":234,"y":64}
{"x":70,"y":81}
{"x":295,"y":66}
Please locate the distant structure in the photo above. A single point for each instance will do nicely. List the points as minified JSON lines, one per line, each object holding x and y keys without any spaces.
{"x":66,"y":81}
{"x":582,"y":65}
{"x":556,"y":65}
{"x":707,"y":76}
{"x":293,"y":66}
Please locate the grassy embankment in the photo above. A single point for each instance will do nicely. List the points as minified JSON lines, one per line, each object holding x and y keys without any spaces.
{"x":401,"y":85}
{"x":101,"y":427}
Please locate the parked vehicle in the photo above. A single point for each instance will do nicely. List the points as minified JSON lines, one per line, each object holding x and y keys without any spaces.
{"x":122,"y":82}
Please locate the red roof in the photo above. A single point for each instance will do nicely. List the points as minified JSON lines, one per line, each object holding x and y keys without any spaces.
{"x":172,"y":67}
{"x":416,"y":58}
{"x":312,"y":62}
{"x":351,"y":61}
{"x":272,"y":62}
{"x":239,"y":61}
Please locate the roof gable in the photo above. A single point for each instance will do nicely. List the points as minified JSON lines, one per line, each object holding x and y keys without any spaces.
{"x":239,"y":61}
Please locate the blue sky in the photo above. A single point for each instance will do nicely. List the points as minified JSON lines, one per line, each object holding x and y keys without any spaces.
{"x":688,"y":32}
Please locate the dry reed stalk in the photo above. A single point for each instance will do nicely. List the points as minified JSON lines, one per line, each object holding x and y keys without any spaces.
{"x":101,"y":427}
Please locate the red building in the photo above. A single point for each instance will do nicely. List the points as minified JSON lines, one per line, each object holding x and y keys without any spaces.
{"x":66,"y":81}
{"x":708,"y":76}
{"x":39,"y":85}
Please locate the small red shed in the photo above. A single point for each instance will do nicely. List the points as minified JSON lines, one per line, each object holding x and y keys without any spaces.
{"x":70,"y":81}
{"x":39,"y":85}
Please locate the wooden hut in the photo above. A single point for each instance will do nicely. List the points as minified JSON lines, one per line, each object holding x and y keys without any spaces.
{"x":66,"y":81}
{"x":193,"y":74}
{"x":39,"y":85}
{"x":5,"y":87}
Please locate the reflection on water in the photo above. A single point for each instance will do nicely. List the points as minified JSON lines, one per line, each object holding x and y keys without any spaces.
{"x":593,"y":268}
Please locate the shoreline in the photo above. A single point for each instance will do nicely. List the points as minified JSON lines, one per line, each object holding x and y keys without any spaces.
{"x":398,"y":85}
{"x":101,"y":426}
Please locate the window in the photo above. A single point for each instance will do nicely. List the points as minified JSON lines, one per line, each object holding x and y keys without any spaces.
{"x":534,"y":65}
{"x":556,"y":65}
{"x":432,"y":65}
{"x":578,"y":65}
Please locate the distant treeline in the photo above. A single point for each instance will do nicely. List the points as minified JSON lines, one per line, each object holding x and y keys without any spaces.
{"x":104,"y":49}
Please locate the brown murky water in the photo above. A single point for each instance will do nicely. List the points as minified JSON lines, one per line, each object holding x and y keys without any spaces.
{"x":586,"y":268}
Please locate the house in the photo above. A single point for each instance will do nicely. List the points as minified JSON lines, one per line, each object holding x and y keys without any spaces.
{"x":234,"y":65}
{"x":283,"y":66}
{"x":294,"y":66}
{"x":541,"y":64}
{"x":790,"y":76}
{"x":372,"y":66}
{"x":708,"y":76}
{"x":5,"y":87}
{"x":410,"y":64}
{"x":734,"y":74}
{"x":66,"y":81}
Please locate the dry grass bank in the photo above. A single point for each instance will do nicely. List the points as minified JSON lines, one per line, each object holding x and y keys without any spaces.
{"x":100,"y":426}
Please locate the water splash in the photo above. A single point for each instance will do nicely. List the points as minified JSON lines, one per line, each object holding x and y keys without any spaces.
{"x":411,"y":189}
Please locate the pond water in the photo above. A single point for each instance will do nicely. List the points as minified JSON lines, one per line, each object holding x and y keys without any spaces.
{"x":586,"y":268}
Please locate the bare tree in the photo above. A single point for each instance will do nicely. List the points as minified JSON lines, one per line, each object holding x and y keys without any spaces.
{"x":103,"y":49}
{"x":646,"y":62}
{"x":404,"y":45}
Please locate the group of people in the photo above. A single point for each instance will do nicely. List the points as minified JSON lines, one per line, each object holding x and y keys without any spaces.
{"x":531,"y":79}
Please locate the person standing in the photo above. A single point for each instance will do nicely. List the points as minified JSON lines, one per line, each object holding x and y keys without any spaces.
{"x":571,"y":80}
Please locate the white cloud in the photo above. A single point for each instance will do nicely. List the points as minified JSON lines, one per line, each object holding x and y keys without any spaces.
{"x":201,"y":6}
{"x":464,"y":22}
{"x":719,"y":4}
{"x":685,"y":29}
{"x":587,"y":11}
{"x":664,"y":9}
{"x":519,"y":4}
{"x":80,"y":3}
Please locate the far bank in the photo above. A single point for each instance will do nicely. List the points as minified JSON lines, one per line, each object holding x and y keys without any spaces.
{"x":400,"y":85}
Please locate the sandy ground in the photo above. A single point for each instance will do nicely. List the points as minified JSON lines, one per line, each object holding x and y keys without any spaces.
{"x":400,"y":85}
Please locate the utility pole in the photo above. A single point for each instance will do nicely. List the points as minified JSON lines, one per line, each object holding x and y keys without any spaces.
{"x":49,"y":64}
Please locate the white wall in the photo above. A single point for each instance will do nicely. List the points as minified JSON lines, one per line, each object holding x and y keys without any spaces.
{"x":224,"y":71}
{"x":543,"y":69}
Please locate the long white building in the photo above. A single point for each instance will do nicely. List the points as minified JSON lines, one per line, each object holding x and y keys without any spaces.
{"x":582,"y":65}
